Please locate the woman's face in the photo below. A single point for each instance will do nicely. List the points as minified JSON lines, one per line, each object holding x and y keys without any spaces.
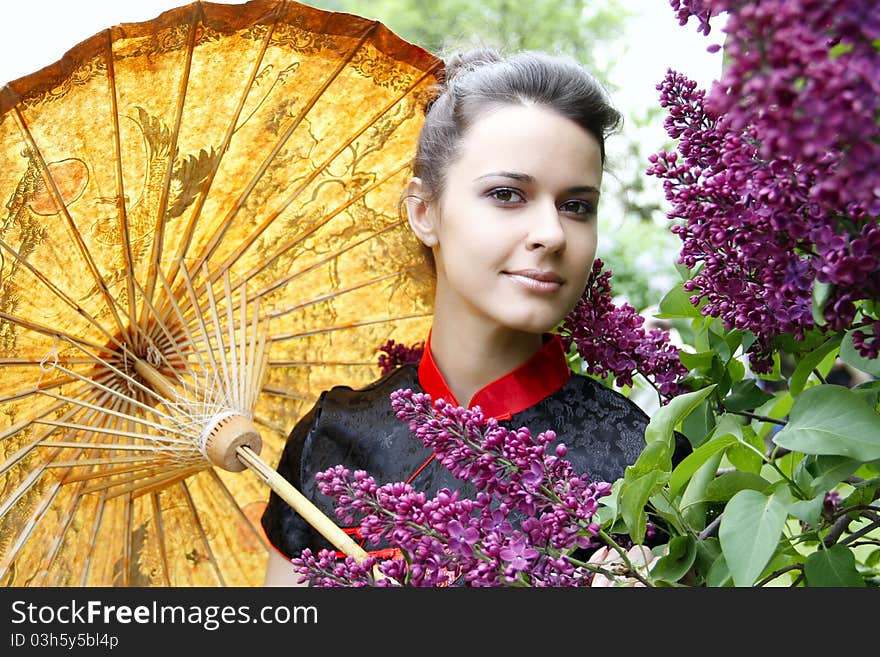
{"x":515,"y":229}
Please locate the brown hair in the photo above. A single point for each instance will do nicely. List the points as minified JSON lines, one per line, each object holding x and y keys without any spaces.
{"x":479,"y":80}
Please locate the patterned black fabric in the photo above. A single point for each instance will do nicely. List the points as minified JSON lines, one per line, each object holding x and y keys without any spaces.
{"x":603,"y":430}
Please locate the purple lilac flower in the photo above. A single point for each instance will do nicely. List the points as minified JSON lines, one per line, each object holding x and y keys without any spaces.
{"x":531,"y":510}
{"x":396,"y":354}
{"x":611,"y":339}
{"x":777,"y":174}
{"x":518,"y":555}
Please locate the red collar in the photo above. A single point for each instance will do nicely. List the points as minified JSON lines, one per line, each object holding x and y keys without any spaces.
{"x":537,"y":378}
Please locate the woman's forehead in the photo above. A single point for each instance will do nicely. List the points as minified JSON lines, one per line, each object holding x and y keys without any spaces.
{"x":529,"y":141}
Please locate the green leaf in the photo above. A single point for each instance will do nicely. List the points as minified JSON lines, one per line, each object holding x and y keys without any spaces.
{"x":699,"y":424}
{"x":858,"y":498}
{"x":735,"y":370}
{"x":655,"y":456}
{"x":835,"y":566}
{"x":678,"y":561}
{"x":808,"y":510}
{"x":839,"y":49}
{"x":697,"y":360}
{"x":850,"y":355}
{"x":809,"y":362}
{"x":692,"y":462}
{"x":746,"y":396}
{"x":720,"y":344}
{"x":828,"y":471}
{"x":719,"y":573}
{"x":831,"y":419}
{"x":821,"y":293}
{"x":729,"y":484}
{"x":749,"y":533}
{"x":708,"y":551}
{"x":677,"y":303}
{"x":748,"y":339}
{"x":748,"y":456}
{"x":608,"y":503}
{"x":870,"y":392}
{"x":631,"y":502}
{"x":665,"y":419}
{"x":777,"y":408}
{"x":693,"y":508}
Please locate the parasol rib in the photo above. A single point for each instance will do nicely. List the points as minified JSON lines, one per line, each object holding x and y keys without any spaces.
{"x":318,"y":169}
{"x":329,"y":258}
{"x":160,"y":533}
{"x":119,"y":414}
{"x":107,"y":461}
{"x":28,"y":528}
{"x":382,"y":320}
{"x":239,"y":203}
{"x":202,"y":326}
{"x":286,"y":394}
{"x":200,"y":527}
{"x":96,"y":525}
{"x":233,"y":352}
{"x":189,"y":231}
{"x":172,"y":340}
{"x":183,"y":323}
{"x":274,"y":428}
{"x":77,"y":237}
{"x":39,"y":387}
{"x":152,"y":482}
{"x":128,"y":256}
{"x":23,"y":451}
{"x":58,"y":541}
{"x":159,"y":233}
{"x":266,"y":263}
{"x":61,"y":295}
{"x":160,"y":375}
{"x":218,"y":336}
{"x":225,"y":489}
{"x":110,"y":432}
{"x":342,"y":291}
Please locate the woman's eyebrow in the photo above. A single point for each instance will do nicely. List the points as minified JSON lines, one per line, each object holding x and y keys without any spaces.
{"x":522,"y":177}
{"x":526,"y":178}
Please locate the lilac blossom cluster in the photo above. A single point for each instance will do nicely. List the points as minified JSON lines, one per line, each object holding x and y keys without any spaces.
{"x":396,"y":354}
{"x":530,"y":514}
{"x":612,"y":340}
{"x":777,"y":174}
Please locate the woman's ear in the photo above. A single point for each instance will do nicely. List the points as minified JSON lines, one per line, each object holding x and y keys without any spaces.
{"x":421,"y":215}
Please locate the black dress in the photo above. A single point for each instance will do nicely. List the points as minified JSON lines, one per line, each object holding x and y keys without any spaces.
{"x":603,"y":430}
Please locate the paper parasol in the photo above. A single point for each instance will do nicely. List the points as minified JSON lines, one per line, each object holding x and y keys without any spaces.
{"x":201,"y":233}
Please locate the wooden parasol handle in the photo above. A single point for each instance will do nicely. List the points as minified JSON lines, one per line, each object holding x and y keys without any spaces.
{"x":230,"y":440}
{"x":301,"y":504}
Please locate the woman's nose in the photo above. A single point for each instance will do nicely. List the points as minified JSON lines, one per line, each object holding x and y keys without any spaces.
{"x":545,"y":228}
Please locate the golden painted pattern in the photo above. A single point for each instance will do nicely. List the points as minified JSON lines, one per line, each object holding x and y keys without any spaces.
{"x":171,"y":191}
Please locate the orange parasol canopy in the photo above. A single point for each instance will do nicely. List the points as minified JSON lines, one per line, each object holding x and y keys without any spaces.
{"x":201,"y":222}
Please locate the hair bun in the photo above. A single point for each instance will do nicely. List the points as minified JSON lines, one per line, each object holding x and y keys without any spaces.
{"x":467,"y":61}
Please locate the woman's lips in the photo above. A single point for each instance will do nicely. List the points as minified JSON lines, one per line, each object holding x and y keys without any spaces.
{"x":536,"y":280}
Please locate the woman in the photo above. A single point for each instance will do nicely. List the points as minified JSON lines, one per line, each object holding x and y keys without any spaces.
{"x":507,"y":182}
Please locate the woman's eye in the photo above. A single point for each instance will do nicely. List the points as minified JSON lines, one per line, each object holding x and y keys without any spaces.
{"x":578,"y":207}
{"x":505,"y":195}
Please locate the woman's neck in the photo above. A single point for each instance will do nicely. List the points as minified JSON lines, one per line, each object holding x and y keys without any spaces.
{"x":469,"y":358}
